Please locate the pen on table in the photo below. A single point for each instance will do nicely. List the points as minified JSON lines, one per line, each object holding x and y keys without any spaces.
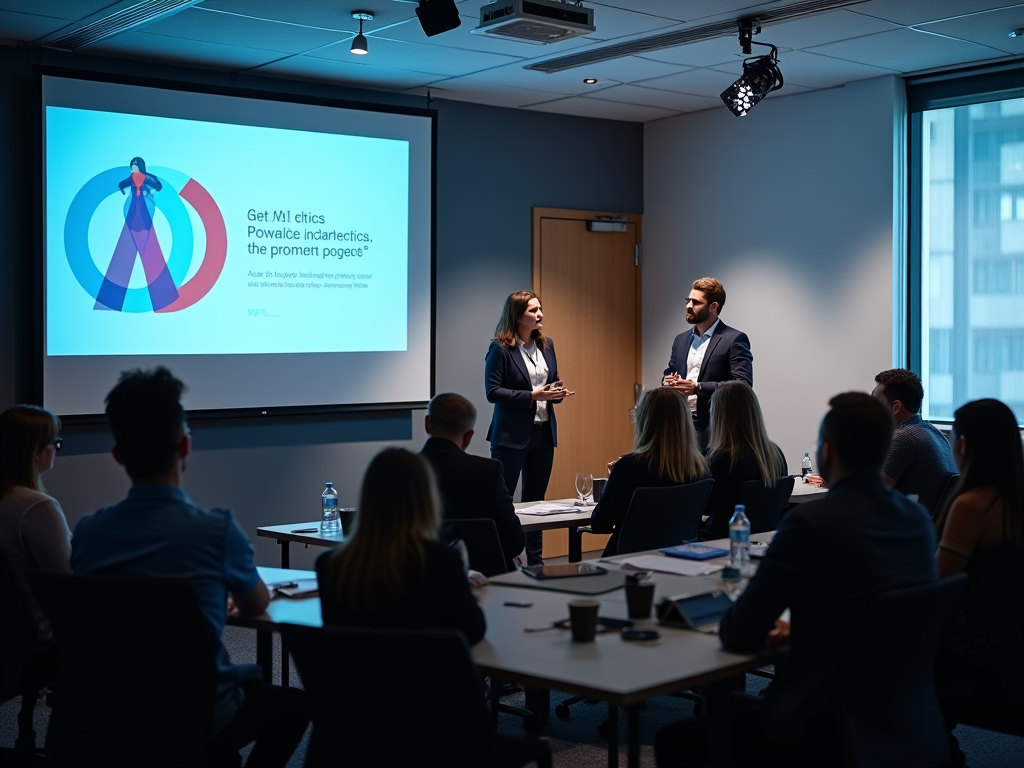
{"x":304,"y":530}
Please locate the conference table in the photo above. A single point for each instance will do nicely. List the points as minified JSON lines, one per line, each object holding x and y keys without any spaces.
{"x":620,"y":673}
{"x":308,"y":533}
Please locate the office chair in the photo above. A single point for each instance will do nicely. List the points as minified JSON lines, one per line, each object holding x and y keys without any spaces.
{"x":128,"y":634}
{"x":764,"y":506}
{"x":661,"y":517}
{"x":947,"y":490}
{"x":889,"y":712}
{"x":22,"y":665}
{"x":351,"y":676}
{"x":481,"y":538}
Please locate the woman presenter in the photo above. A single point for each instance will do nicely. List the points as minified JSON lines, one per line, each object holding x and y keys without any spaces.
{"x":521,"y":377}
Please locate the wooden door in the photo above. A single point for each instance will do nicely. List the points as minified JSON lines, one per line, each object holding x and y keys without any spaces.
{"x":589,"y":285}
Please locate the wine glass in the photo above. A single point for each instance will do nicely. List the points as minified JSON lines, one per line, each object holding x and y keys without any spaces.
{"x":584,"y":486}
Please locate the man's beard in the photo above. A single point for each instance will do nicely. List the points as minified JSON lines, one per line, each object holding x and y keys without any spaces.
{"x":698,"y":317}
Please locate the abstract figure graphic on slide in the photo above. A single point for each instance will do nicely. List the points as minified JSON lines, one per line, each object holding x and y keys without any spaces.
{"x":166,"y":289}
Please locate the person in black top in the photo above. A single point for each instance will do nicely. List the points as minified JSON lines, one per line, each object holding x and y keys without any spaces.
{"x":739,"y":451}
{"x":393,"y":572}
{"x":470,"y":486}
{"x":828,"y":562}
{"x":665,"y":453}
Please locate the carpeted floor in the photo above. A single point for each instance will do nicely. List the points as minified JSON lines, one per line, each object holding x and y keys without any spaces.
{"x":575,"y":742}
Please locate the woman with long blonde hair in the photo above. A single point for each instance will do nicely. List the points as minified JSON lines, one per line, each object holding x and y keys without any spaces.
{"x":393,"y":571}
{"x":665,"y":452}
{"x":521,"y":378}
{"x":34,"y":533}
{"x":739,"y":450}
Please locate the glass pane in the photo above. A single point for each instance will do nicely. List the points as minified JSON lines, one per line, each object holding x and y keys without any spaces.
{"x":972,"y":256}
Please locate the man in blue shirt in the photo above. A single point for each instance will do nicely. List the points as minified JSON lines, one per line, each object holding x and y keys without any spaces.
{"x":158,"y":532}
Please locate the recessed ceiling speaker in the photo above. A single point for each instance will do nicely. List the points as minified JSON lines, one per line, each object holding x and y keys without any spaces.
{"x":437,"y":16}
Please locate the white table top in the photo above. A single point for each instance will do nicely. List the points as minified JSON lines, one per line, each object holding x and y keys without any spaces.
{"x":618,"y":671}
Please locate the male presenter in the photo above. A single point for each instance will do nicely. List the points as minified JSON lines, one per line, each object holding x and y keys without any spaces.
{"x":709,"y":354}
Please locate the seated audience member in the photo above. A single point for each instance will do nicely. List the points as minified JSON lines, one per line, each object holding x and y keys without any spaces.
{"x":920,"y":460}
{"x":159,"y":532}
{"x":470,"y":486}
{"x":738,"y":451}
{"x":393,"y":572}
{"x":665,"y":453}
{"x":34,"y":533}
{"x":828,"y":561}
{"x":981,"y":532}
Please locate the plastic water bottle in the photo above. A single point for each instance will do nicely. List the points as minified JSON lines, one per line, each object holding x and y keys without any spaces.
{"x":739,"y":541}
{"x":805,"y":464}
{"x":330,"y":520}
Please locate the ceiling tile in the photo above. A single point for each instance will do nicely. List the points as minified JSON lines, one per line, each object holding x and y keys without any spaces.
{"x":906,"y":50}
{"x":815,"y":71}
{"x":504,"y":96}
{"x":628,"y":69}
{"x":685,"y":10}
{"x":991,"y":28}
{"x":313,"y":13}
{"x":394,"y":54}
{"x":697,"y":82}
{"x":22,"y":27}
{"x":566,"y":83}
{"x":651,"y":97}
{"x":196,"y":24}
{"x":820,"y":29}
{"x":326,"y":70}
{"x":147,"y":47}
{"x":706,"y":53}
{"x":907,"y":12}
{"x":608,"y":110}
{"x":72,"y":10}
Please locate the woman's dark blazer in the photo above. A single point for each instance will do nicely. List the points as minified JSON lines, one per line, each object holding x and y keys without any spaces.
{"x":509,"y":388}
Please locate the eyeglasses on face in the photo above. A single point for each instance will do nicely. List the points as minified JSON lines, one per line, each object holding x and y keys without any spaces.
{"x":57,"y":443}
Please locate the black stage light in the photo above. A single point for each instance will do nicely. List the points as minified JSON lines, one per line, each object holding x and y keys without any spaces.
{"x":437,"y":16}
{"x":761,"y":76}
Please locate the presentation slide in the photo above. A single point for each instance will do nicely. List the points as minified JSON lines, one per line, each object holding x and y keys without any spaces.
{"x":271,"y":254}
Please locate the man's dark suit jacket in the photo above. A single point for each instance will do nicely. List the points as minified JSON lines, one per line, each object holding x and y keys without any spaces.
{"x":472,"y":487}
{"x":508,"y":386}
{"x":727,"y":358}
{"x":828,"y":561}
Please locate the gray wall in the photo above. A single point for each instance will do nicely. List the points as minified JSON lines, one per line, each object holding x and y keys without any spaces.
{"x":792,"y":208}
{"x":272,"y":471}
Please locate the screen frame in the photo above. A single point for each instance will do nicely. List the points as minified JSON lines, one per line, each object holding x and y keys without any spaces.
{"x":39,"y":349}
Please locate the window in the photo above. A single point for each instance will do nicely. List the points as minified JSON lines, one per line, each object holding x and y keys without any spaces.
{"x":967,"y":242}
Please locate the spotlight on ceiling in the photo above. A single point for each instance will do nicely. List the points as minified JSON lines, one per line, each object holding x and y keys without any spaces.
{"x":437,"y":16}
{"x":590,"y":80}
{"x":1017,"y":32}
{"x":359,"y":44}
{"x":761,"y":74}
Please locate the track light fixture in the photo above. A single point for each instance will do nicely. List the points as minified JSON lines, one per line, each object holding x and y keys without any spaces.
{"x":761,"y":74}
{"x":359,"y":44}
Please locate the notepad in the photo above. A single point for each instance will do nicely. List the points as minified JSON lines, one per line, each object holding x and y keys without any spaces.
{"x":552,"y":509}
{"x":671,"y":565}
{"x":694,"y":551}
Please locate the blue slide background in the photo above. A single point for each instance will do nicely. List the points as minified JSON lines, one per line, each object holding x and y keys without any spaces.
{"x":356,"y":183}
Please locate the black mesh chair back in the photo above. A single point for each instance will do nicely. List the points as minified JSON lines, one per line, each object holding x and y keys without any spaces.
{"x":137,"y":671}
{"x":890,"y":714}
{"x":764,"y":506}
{"x":663,"y":517}
{"x":947,"y":491}
{"x":351,"y":675}
{"x":21,"y":665}
{"x":18,"y":639}
{"x":481,"y":538}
